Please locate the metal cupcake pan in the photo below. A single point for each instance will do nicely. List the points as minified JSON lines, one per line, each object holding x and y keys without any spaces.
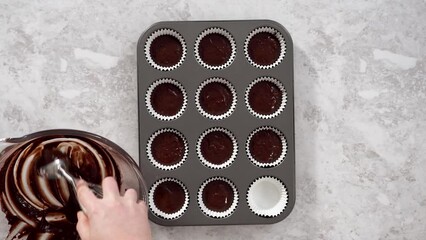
{"x":242,"y":172}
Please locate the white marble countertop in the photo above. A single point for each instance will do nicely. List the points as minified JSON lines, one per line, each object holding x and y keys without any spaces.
{"x":360,"y":95}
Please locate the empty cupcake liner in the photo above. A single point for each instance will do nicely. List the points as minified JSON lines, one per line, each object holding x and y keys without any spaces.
{"x":234,"y":152}
{"x":153,"y":36}
{"x":283,"y":98}
{"x":215,"y":214}
{"x":280,"y":39}
{"x":226,"y":34}
{"x":155,"y":162}
{"x":149,"y":94}
{"x":233,"y":104}
{"x":283,"y":152}
{"x":267,"y":196}
{"x":158,"y":212}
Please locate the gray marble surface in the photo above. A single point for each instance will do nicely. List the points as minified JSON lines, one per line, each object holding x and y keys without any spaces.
{"x":359,"y":94}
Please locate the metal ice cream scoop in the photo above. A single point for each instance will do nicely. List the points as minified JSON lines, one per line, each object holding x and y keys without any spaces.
{"x":58,"y":169}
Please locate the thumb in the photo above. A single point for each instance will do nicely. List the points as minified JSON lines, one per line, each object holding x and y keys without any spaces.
{"x":85,"y":196}
{"x":83,"y":226}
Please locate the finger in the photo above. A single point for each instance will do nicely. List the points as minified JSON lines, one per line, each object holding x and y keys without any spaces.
{"x":142,"y":205}
{"x":83,"y":226}
{"x":110,"y":188}
{"x":86,"y":197}
{"x":131,"y":195}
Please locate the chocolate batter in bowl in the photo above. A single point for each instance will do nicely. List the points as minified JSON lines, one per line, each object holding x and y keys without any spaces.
{"x":38,"y":208}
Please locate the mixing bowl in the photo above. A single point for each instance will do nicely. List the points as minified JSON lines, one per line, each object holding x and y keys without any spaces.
{"x":39,"y":208}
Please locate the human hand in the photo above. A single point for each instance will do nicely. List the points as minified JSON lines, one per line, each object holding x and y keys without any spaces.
{"x":112,"y":217}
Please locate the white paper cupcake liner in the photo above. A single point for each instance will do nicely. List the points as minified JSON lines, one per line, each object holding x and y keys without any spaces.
{"x":283,"y":97}
{"x":158,"y":212}
{"x":233,"y":104}
{"x":283,"y":152}
{"x":234,"y":151}
{"x":212,"y":213}
{"x":149,"y":94}
{"x":155,"y":162}
{"x":154,"y":35}
{"x":225,"y":34}
{"x":280,"y":38}
{"x":267,"y":196}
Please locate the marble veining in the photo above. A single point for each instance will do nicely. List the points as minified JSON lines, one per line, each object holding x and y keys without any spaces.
{"x":360,"y":93}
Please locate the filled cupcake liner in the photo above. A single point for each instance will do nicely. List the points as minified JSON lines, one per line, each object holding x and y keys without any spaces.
{"x":153,"y":36}
{"x":155,"y":162}
{"x":215,"y":214}
{"x":280,"y":39}
{"x":283,"y":97}
{"x":220,"y":31}
{"x":283,"y":152}
{"x":234,"y":151}
{"x":233,"y":104}
{"x":157,"y":212}
{"x":149,"y":106}
{"x":257,"y":187}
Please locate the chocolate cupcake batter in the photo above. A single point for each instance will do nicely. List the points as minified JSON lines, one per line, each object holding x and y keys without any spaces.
{"x":265,"y":97}
{"x":218,"y":195}
{"x":169,"y":197}
{"x":264,"y":48}
{"x":168,"y":148}
{"x":216,"y":98}
{"x":166,"y":50}
{"x":266,"y":146}
{"x":167,"y":99}
{"x":215,"y":49}
{"x":38,"y":208}
{"x":216,"y":147}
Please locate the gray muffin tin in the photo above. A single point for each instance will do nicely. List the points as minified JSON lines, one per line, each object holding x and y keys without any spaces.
{"x":241,"y":122}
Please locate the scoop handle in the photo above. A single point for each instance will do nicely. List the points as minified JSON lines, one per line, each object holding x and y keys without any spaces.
{"x":96,"y":189}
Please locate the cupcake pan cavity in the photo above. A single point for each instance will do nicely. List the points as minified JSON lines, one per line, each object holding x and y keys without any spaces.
{"x":168,"y":198}
{"x":170,"y":141}
{"x":215,"y":48}
{"x":166,"y":99}
{"x":218,"y":197}
{"x":217,"y":148}
{"x":165,"y":49}
{"x":270,"y":206}
{"x":222,"y":96}
{"x":241,"y":122}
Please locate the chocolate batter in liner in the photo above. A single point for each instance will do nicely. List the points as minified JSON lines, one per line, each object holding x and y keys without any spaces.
{"x":168,"y":198}
{"x":215,"y":48}
{"x":165,"y":49}
{"x":166,"y":99}
{"x":167,"y":149}
{"x":216,"y":98}
{"x":266,"y":147}
{"x":217,"y":148}
{"x":218,"y":197}
{"x":265,"y":97}
{"x":265,"y":47}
